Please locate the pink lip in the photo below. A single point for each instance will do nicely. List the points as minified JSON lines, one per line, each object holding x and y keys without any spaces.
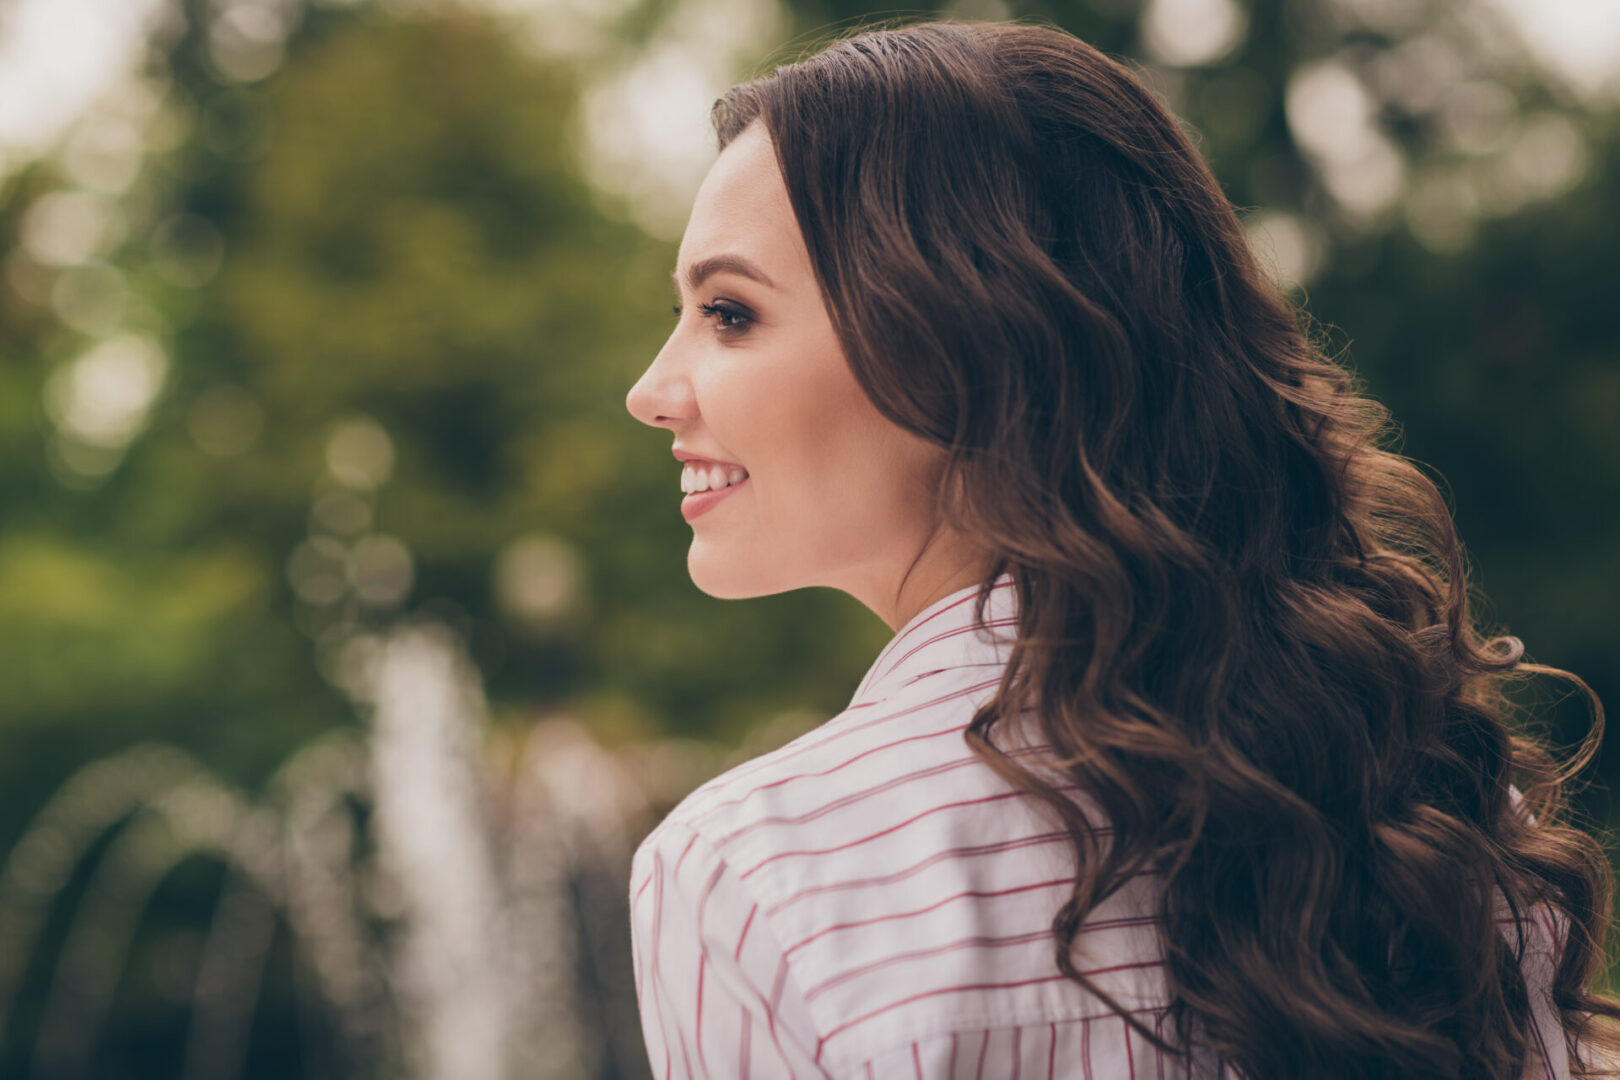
{"x":683,"y":456}
{"x":703,"y":501}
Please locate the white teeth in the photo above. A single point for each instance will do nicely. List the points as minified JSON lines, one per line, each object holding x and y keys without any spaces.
{"x":695,"y":478}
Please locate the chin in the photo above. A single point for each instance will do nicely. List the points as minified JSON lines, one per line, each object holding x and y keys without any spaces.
{"x":720,"y":575}
{"x":719,"y":581}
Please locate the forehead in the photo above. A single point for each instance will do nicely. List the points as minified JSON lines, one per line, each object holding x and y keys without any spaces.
{"x":742,"y":206}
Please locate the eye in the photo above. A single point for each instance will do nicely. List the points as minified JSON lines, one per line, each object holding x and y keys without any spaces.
{"x":730,"y":319}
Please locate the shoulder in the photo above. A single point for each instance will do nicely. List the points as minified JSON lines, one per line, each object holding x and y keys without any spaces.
{"x":847,"y":751}
{"x":875,"y":850}
{"x":715,"y":806}
{"x":701,"y":849}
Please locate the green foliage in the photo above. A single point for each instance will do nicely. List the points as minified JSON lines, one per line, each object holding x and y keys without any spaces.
{"x":406,"y":238}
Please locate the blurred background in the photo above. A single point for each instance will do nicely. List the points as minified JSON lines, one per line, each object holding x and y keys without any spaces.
{"x":346,"y":643}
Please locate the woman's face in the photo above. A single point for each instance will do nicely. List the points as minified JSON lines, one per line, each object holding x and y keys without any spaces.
{"x":836,"y":495}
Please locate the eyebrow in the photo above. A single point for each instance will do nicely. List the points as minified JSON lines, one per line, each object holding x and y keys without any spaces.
{"x":701,"y":270}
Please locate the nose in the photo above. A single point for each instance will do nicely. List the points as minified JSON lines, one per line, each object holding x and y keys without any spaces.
{"x":662,"y":395}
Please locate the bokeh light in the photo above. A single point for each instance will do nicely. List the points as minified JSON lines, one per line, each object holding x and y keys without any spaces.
{"x":1190,"y":32}
{"x":103,"y":396}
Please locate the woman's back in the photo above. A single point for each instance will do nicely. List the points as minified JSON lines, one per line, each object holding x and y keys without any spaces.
{"x":871,"y":900}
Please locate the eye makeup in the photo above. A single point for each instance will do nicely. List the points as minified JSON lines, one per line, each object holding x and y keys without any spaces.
{"x":730,"y":319}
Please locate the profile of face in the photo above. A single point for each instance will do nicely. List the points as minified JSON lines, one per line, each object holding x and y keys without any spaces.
{"x":753,"y":374}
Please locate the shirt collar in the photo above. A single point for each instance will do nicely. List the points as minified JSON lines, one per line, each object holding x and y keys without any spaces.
{"x":942,"y":635}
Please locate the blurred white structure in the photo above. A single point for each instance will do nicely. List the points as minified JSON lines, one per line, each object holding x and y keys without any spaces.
{"x":475,"y":927}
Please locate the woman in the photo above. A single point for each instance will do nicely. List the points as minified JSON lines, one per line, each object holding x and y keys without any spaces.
{"x":1186,"y":757}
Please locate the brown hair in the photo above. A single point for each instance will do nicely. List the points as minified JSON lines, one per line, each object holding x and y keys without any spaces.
{"x":1244,"y":624}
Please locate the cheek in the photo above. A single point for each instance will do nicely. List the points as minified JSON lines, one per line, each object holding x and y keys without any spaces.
{"x":817,"y":418}
{"x":801,"y":423}
{"x":843,"y":452}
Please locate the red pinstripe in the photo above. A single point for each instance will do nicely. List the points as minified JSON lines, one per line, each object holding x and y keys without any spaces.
{"x":703,"y":901}
{"x":684,"y":850}
{"x":979,"y":940}
{"x":947,"y":634}
{"x":751,"y":792}
{"x":964,"y":852}
{"x":924,"y":675}
{"x":910,"y":631}
{"x":1099,"y":924}
{"x":968,"y":762}
{"x":737,"y":955}
{"x":715,"y":808}
{"x":960,"y":988}
{"x":868,"y":838}
{"x":702,"y":963}
{"x":976,"y":941}
{"x":952,"y":610}
{"x":979,"y":893}
{"x":775,"y":1006}
{"x":839,"y":732}
{"x":658,"y":919}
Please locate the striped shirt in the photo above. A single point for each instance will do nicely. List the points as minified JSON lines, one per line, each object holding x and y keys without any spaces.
{"x":872,"y":900}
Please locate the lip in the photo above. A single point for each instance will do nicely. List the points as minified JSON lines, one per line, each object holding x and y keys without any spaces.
{"x":684,"y":456}
{"x":704,"y":501}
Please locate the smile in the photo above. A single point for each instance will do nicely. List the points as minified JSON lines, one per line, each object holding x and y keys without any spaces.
{"x":703,"y":501}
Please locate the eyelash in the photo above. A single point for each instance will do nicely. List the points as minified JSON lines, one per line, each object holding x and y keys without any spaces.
{"x":725,"y":310}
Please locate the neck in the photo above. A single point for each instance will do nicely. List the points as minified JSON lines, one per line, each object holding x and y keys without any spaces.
{"x":946,"y":564}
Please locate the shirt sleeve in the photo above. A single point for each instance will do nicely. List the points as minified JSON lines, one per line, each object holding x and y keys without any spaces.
{"x":717,"y":1000}
{"x":1549,"y":1050}
{"x":1516,"y":801}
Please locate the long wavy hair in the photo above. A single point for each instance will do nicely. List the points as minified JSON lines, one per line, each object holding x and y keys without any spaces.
{"x":1244,"y":622}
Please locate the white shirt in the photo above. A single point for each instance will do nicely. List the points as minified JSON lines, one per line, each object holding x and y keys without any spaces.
{"x":872,"y":901}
